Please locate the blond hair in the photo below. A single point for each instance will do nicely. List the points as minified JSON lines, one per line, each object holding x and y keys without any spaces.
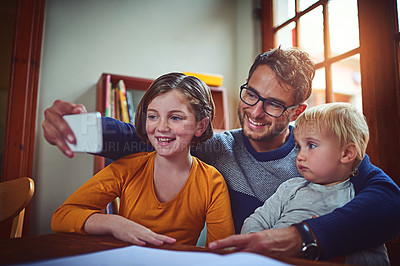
{"x":343,"y":121}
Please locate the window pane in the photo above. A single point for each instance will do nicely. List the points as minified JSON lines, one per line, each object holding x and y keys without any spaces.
{"x":283,"y":10}
{"x":318,"y":88}
{"x":304,"y":4}
{"x":284,"y":36}
{"x":398,"y":14}
{"x":343,"y":26}
{"x":346,"y":81}
{"x":311,"y":37}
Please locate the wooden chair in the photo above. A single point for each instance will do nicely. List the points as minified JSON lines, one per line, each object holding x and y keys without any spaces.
{"x":15,"y":195}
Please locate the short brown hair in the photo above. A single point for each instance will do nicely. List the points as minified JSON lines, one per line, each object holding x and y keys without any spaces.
{"x":196,"y":92}
{"x":292,"y":66}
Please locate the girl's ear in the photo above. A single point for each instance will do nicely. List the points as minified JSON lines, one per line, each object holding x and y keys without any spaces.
{"x":349,"y":153}
{"x":202,"y":126}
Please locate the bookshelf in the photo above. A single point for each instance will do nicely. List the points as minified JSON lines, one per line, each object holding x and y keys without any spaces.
{"x":138,"y":86}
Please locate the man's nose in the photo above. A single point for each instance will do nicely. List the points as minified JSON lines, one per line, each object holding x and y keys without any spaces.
{"x":257,"y":110}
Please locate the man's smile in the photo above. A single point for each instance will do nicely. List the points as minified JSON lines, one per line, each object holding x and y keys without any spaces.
{"x":256,"y":123}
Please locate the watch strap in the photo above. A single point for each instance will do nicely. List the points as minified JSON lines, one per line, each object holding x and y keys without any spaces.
{"x":310,"y":248}
{"x":305,"y":233}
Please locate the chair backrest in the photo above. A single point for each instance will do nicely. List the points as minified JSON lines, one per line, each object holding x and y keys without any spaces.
{"x":15,"y":195}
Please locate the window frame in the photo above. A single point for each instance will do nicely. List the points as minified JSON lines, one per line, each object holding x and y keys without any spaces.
{"x":379,"y":66}
{"x":328,"y":58}
{"x":379,"y":70}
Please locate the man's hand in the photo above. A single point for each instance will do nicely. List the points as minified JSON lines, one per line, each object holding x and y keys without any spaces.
{"x":274,"y":242}
{"x":56,"y":130}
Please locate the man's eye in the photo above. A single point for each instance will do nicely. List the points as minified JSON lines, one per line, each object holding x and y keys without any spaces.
{"x":273,"y":105}
{"x":251,"y":94}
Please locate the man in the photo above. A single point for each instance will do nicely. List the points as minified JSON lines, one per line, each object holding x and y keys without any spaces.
{"x":257,"y":158}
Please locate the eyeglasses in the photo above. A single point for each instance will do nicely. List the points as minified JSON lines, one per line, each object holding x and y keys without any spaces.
{"x":251,"y":97}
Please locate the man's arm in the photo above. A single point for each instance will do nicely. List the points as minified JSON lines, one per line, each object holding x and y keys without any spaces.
{"x":370,"y":219}
{"x":119,"y":138}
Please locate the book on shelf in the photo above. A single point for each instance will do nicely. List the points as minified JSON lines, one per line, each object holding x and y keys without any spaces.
{"x":117,"y":108}
{"x":120,"y":103}
{"x":129,"y":101}
{"x":111,"y":112}
{"x":121,"y":90}
{"x":107,"y":110}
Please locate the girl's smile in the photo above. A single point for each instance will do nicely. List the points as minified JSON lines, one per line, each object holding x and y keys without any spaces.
{"x":171,"y":124}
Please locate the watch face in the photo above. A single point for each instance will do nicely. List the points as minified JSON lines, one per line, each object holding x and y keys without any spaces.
{"x":310,"y":251}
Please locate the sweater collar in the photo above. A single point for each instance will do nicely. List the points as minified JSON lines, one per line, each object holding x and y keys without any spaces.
{"x":271,"y":155}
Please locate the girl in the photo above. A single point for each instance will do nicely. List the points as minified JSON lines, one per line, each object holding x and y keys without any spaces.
{"x":166,"y":195}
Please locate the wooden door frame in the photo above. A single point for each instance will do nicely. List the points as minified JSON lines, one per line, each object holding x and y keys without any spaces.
{"x":380,"y":82}
{"x":380,"y":89}
{"x":22,"y":95}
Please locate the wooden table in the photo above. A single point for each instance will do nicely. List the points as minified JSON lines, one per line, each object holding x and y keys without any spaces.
{"x":64,"y":244}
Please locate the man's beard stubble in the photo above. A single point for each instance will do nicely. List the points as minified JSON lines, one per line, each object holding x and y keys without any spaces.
{"x":269,"y":134}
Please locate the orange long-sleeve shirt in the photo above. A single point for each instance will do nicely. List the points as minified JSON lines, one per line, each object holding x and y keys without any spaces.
{"x":203,"y":198}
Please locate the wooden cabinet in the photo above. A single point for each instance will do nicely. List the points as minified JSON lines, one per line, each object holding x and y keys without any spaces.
{"x":221,"y":118}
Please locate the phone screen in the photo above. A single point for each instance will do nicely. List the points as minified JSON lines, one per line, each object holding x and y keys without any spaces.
{"x":88,"y":132}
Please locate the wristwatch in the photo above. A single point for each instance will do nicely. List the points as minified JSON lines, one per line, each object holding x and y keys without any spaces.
{"x":309,"y":248}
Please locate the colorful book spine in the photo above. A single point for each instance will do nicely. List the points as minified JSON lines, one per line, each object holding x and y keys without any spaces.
{"x":122,"y":100}
{"x":129,"y":102}
{"x":108,"y":100}
{"x":117,"y":105}
{"x":112,"y":103}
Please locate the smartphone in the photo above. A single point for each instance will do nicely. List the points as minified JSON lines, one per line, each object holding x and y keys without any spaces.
{"x":88,"y":132}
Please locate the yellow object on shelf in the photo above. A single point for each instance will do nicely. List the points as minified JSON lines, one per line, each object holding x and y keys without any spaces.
{"x":209,"y":79}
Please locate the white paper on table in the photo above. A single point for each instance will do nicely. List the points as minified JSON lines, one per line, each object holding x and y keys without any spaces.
{"x":144,"y":256}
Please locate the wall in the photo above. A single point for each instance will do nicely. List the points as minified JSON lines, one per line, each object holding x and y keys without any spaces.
{"x":83,"y":39}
